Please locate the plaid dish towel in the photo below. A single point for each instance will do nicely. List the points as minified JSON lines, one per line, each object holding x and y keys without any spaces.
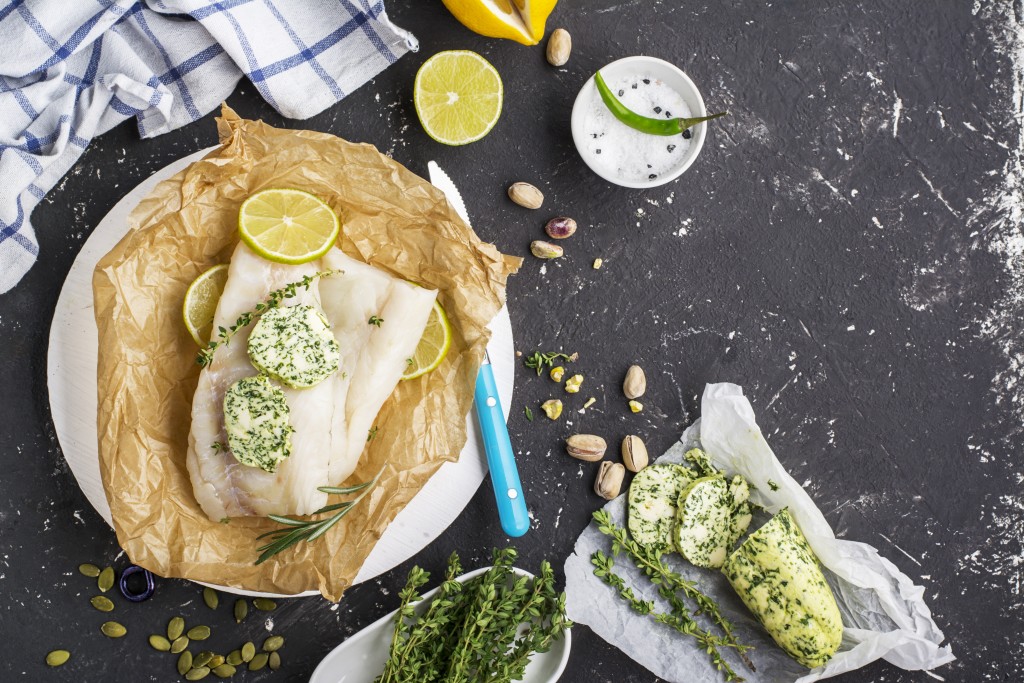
{"x":71,"y":70}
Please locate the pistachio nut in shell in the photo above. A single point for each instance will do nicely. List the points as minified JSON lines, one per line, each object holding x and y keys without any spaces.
{"x":559,"y":47}
{"x":589,"y":447}
{"x":635,"y":383}
{"x":634,"y":453}
{"x":609,"y":479}
{"x":526,"y":195}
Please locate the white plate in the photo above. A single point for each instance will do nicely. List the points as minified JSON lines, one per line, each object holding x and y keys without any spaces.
{"x":362,"y":656}
{"x":71,"y":378}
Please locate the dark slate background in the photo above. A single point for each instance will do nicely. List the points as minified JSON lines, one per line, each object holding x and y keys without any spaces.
{"x":830,"y":251}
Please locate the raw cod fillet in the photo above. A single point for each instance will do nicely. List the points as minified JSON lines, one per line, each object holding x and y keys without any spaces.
{"x":332,"y":419}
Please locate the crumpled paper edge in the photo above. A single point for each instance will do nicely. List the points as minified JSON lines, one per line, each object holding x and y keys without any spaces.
{"x":884,"y":613}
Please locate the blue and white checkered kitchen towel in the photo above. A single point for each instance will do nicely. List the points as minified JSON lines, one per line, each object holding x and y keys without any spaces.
{"x":73,"y":69}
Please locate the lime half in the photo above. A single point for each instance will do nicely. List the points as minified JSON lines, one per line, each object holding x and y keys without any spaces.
{"x":433,"y":346}
{"x":458,"y":96}
{"x":201,"y":302}
{"x":288,"y":226}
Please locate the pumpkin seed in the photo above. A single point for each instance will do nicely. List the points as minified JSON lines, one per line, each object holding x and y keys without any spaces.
{"x":198,"y":633}
{"x":234,"y":658}
{"x":202,"y":659}
{"x":90,"y":570}
{"x":264,"y":604}
{"x":159,"y":643}
{"x":241,"y":610}
{"x":105,"y":581}
{"x":175,"y":627}
{"x":58,"y":658}
{"x":224,"y":671}
{"x":184,"y":663}
{"x":102,"y":603}
{"x":248,"y":651}
{"x":274,"y":661}
{"x":259,"y":661}
{"x":211,"y":598}
{"x":179,"y":644}
{"x":197,"y":674}
{"x":112,"y":629}
{"x":273,"y":643}
{"x":216,"y":661}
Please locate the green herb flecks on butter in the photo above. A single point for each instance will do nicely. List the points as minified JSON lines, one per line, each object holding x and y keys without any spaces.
{"x":256,"y":420}
{"x":294,"y":345}
{"x":777,"y":576}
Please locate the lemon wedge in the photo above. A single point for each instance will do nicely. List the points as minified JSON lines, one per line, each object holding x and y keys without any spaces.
{"x":519,"y":20}
{"x":201,"y":302}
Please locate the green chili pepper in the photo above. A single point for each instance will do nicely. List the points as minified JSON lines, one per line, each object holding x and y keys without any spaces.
{"x":645,"y":124}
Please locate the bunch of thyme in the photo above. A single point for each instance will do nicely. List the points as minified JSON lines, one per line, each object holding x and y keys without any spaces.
{"x":670,"y":585}
{"x":485,"y":629}
{"x":274,"y":300}
{"x":538,"y":360}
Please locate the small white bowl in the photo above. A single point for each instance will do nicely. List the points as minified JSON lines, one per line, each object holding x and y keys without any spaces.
{"x":674,"y":79}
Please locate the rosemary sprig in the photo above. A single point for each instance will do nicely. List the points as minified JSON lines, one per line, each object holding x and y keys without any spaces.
{"x":274,"y":300}
{"x":670,"y":582}
{"x":538,"y":360}
{"x":308,"y":530}
{"x":680,"y":621}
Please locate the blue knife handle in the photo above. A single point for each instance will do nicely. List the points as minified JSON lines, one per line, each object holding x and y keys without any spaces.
{"x":508,"y":490}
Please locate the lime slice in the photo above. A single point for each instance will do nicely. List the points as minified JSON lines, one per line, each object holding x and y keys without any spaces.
{"x":458,"y":97}
{"x":201,"y":302}
{"x":287,"y":226}
{"x":433,"y":346}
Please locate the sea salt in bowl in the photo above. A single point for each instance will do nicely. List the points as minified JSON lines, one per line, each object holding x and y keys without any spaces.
{"x":650,"y":87}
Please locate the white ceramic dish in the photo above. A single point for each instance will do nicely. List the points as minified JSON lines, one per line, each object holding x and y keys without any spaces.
{"x":675,"y":79}
{"x":71,"y":379}
{"x":362,"y":656}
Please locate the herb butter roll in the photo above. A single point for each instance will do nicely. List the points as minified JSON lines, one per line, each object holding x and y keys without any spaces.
{"x":777,"y":576}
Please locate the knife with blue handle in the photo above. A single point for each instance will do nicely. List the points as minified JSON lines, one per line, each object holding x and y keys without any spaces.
{"x":501,"y":459}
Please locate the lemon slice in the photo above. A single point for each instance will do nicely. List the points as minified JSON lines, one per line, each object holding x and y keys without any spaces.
{"x":201,"y":302}
{"x":433,"y":346}
{"x":458,"y":96}
{"x":287,"y":226}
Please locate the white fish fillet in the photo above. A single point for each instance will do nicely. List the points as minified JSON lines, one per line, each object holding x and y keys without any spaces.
{"x":331,"y":419}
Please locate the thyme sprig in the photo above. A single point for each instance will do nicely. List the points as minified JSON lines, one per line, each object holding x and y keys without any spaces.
{"x":274,"y":300}
{"x":677,"y":619}
{"x":670,"y":584}
{"x":538,"y":360}
{"x":308,"y":530}
{"x":485,"y":629}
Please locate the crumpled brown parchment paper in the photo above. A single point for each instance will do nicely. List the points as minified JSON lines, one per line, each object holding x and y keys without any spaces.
{"x":147,"y":373}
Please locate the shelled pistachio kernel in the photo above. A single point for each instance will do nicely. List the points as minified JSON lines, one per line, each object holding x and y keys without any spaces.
{"x":557,"y":373}
{"x":105,"y":581}
{"x":90,"y":570}
{"x":112,"y":629}
{"x":264,"y":604}
{"x":572,"y":385}
{"x":179,"y":644}
{"x":552,"y":408}
{"x":197,"y":674}
{"x":159,"y":643}
{"x":248,"y":651}
{"x":598,"y":262}
{"x":241,"y":610}
{"x":211,"y":598}
{"x":545,"y":250}
{"x":636,"y":406}
{"x":198,"y":633}
{"x":102,"y":603}
{"x":57,"y":658}
{"x":175,"y":627}
{"x":184,"y":662}
{"x":259,"y":661}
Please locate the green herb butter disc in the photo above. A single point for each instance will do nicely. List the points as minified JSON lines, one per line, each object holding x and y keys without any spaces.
{"x":295,"y":346}
{"x":256,"y":418}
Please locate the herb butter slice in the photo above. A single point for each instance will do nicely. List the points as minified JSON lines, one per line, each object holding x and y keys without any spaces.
{"x":778,"y":578}
{"x":652,"y":504}
{"x":295,"y":346}
{"x":704,"y":525}
{"x":256,"y":418}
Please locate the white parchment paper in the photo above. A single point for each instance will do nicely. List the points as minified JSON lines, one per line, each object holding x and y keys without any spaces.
{"x":884,"y":614}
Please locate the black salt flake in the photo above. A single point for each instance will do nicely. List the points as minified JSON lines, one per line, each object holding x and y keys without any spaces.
{"x":671,"y":148}
{"x":657,"y":110}
{"x":687,"y":134}
{"x":647,"y":81}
